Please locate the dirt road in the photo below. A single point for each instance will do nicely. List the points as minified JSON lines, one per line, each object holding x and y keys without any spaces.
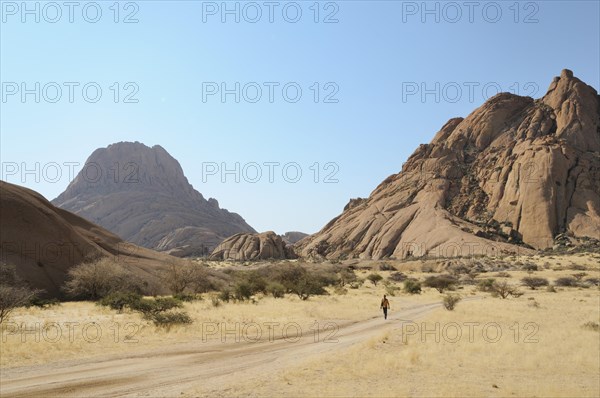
{"x":208,"y":364}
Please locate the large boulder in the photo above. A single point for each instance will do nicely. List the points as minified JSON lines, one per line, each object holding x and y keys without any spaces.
{"x":263,"y":246}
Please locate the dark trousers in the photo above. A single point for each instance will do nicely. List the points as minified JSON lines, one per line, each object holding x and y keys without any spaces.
{"x":384,"y":313}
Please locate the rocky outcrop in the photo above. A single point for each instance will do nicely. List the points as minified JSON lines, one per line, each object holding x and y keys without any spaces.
{"x":263,"y":246}
{"x":43,"y":242}
{"x":511,"y":176}
{"x":142,"y":195}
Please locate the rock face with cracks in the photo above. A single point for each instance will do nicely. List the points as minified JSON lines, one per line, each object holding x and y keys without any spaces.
{"x":508,"y":178}
{"x":263,"y":246}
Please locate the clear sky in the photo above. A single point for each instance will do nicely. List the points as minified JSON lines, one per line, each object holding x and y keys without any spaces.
{"x":368,"y":61}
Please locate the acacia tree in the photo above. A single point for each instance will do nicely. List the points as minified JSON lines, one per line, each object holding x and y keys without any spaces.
{"x":13,"y":292}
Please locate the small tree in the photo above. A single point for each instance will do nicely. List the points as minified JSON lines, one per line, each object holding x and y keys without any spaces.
{"x":534,"y":282}
{"x":440,"y":283}
{"x":504,"y":289}
{"x":13,"y":292}
{"x":93,"y":281}
{"x":12,"y":297}
{"x":412,"y":286}
{"x":374,"y":278}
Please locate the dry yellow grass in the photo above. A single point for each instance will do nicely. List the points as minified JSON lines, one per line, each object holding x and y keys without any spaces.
{"x":564,"y":361}
{"x":128,"y":332}
{"x":543,"y":350}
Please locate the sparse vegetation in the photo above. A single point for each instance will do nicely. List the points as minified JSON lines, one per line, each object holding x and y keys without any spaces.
{"x":450,"y":301}
{"x":119,"y":300}
{"x":534,"y":282}
{"x":594,"y":326}
{"x":95,"y":280}
{"x":504,"y":289}
{"x":397,"y":277}
{"x":375,"y":278}
{"x":440,"y":283}
{"x":566,"y":281}
{"x":160,"y":311}
{"x":412,"y":286}
{"x":13,"y":293}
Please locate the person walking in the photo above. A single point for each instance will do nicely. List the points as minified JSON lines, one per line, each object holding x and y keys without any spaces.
{"x":385,"y":305}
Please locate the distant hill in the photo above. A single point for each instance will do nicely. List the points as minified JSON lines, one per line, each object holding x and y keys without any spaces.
{"x":513,"y":175}
{"x":293,"y":236}
{"x":142,"y":195}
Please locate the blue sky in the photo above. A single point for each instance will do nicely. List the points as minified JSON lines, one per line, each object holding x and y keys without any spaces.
{"x":369,"y":65}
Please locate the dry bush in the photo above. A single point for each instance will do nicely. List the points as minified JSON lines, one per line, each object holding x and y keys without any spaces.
{"x":13,"y":292}
{"x":534,"y":282}
{"x":566,"y":281}
{"x":189,"y":277}
{"x":93,"y":281}
{"x":504,"y":289}
{"x":450,"y":301}
{"x":440,"y":283}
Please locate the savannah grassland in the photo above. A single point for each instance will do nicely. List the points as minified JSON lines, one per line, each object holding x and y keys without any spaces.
{"x":547,"y":346}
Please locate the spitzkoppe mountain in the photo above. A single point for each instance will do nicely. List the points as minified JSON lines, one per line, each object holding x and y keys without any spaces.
{"x":43,"y":242}
{"x":141,"y":194}
{"x":512,"y":175}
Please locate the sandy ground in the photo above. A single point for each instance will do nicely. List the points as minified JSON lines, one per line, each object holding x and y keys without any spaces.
{"x":175,"y":368}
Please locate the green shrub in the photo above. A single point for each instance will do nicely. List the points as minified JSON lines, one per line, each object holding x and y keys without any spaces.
{"x":534,"y":282}
{"x":276,"y":289}
{"x":167,"y":319}
{"x":187,"y":297}
{"x":346,"y":276}
{"x":412,"y":286}
{"x":308,"y":286}
{"x":242,"y":291}
{"x":450,"y":301}
{"x":374,"y":278}
{"x":119,"y":300}
{"x":150,"y":307}
{"x":440,"y":283}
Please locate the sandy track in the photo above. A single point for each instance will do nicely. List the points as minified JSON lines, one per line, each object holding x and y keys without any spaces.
{"x":176,"y":368}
